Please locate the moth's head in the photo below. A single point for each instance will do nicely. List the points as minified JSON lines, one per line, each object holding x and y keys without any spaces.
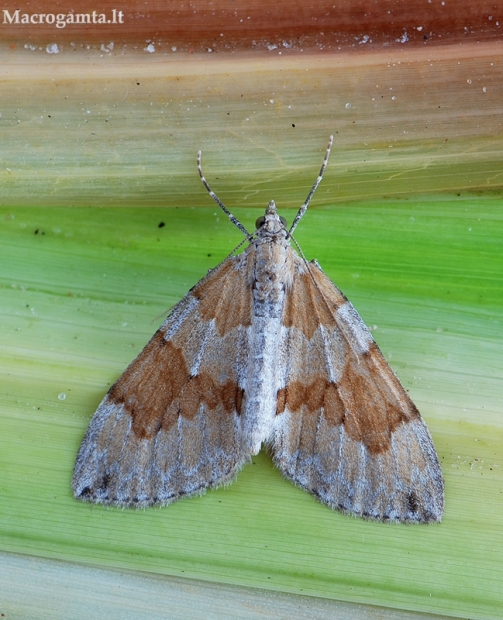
{"x":271,"y":222}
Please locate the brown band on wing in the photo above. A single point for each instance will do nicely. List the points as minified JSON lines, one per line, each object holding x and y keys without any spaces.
{"x":305,"y":307}
{"x":147,"y":394}
{"x":334,"y":407}
{"x":156,"y":397}
{"x":332,"y":296}
{"x":381,"y":368}
{"x":227,"y":284}
{"x":232,"y":397}
{"x":368,"y":400}
{"x":203,"y":389}
{"x":319,"y":393}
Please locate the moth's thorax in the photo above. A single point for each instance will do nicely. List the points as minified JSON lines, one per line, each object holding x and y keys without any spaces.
{"x":273,"y":264}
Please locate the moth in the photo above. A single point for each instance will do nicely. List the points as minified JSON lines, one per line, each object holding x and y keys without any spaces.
{"x":264,"y":350}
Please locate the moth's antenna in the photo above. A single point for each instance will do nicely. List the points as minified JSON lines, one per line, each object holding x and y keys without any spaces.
{"x":303,"y":209}
{"x":234,"y":220}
